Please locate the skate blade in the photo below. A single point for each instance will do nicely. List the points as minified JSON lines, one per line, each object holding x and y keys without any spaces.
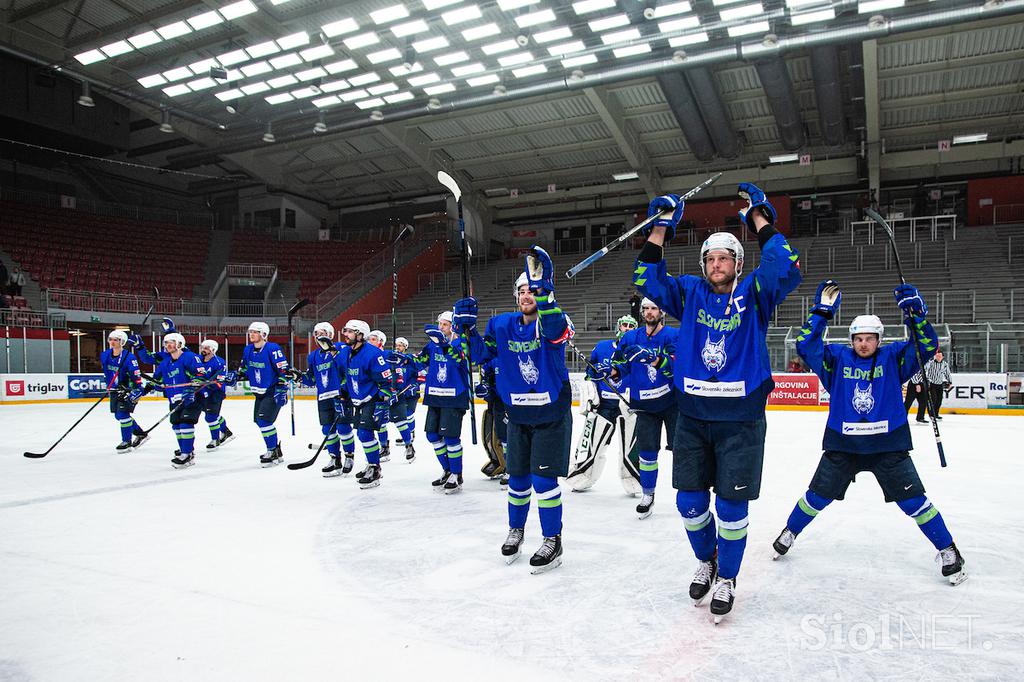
{"x":697,"y":603}
{"x":410,"y":460}
{"x":186,"y":465}
{"x":332,"y":474}
{"x":273,"y":463}
{"x":227,"y":440}
{"x":369,"y":485}
{"x":452,"y":491}
{"x":644,"y":515}
{"x":957,"y":578}
{"x":537,"y":570}
{"x":385,"y":459}
{"x":511,"y":558}
{"x":719,"y":619}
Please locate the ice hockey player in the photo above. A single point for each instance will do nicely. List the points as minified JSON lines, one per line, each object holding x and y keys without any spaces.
{"x":177,"y":376}
{"x":446,"y":394}
{"x":599,"y":404}
{"x":332,"y":403}
{"x":644,"y":360}
{"x":404,"y":414}
{"x":722,"y":378}
{"x":867,"y":428}
{"x":533,"y":382}
{"x":211,"y":397}
{"x":367,"y":377}
{"x":379,"y":339}
{"x":266,"y":368}
{"x":124,"y":385}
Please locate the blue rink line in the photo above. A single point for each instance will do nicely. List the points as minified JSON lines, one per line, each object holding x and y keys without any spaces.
{"x":119,"y":488}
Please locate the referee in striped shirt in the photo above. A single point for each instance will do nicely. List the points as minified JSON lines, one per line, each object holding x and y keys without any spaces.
{"x":939,"y":379}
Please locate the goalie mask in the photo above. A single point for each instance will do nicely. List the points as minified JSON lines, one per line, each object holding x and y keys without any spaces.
{"x":625,"y":320}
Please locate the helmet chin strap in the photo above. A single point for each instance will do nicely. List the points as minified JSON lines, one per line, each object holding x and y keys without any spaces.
{"x":732,"y":291}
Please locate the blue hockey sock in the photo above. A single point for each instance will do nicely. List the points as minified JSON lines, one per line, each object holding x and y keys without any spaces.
{"x":215,"y":423}
{"x":549,"y":504}
{"x":695,"y":506}
{"x":929,"y":520}
{"x":807,"y":507}
{"x":405,"y":431}
{"x":186,"y":435}
{"x":126,"y":423}
{"x":382,"y":437}
{"x":268,"y":432}
{"x":333,"y":443}
{"x":518,"y":501}
{"x":371,"y":448}
{"x":439,"y":449}
{"x":648,"y":470}
{"x":348,"y":439}
{"x":454,"y":448}
{"x":732,"y":535}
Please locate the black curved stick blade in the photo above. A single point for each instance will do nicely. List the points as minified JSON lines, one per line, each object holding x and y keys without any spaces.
{"x":35,"y":455}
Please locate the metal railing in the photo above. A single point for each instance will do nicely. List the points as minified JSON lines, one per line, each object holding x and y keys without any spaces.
{"x":924,"y":227}
{"x":32,"y":318}
{"x":1003,"y":214}
{"x":102,"y":302}
{"x":251,"y":270}
{"x":150,"y":213}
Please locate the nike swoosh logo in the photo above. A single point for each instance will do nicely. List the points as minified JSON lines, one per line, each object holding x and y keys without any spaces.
{"x":543,"y":467}
{"x":739,"y":487}
{"x":908,"y":487}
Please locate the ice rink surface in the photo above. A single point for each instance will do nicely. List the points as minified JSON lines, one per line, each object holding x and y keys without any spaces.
{"x":118,"y":567}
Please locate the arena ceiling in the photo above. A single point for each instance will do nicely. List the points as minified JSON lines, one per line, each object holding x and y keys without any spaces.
{"x":366,"y":100}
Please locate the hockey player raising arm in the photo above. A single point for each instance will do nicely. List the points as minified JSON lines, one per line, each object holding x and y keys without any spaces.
{"x":722,"y":379}
{"x":124,"y":383}
{"x":266,"y":367}
{"x":533,"y":382}
{"x":867,"y":427}
{"x":178,"y":368}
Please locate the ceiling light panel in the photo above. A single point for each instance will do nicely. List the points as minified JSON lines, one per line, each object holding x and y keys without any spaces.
{"x":228,"y":95}
{"x":439,"y":89}
{"x":532,"y":70}
{"x":176,"y":90}
{"x":398,"y":97}
{"x":478,"y":32}
{"x":256,"y":69}
{"x":177,"y":74}
{"x":582,"y":60}
{"x":255,"y":88}
{"x":280,"y":99}
{"x":827,"y":14}
{"x":514,"y":59}
{"x":410,"y":28}
{"x":303,"y":93}
{"x":353,"y":95}
{"x":237,"y":9}
{"x":145,"y":39}
{"x":425,"y":79}
{"x":430,"y":44}
{"x":588,"y":6}
{"x":389,"y":14}
{"x":691,"y":39}
{"x":364,"y":78}
{"x":631,"y":50}
{"x":461,"y":14}
{"x":370,"y":103}
{"x":507,"y":5}
{"x":741,"y":12}
{"x":467,"y":69}
{"x":620,"y":36}
{"x":175,"y":30}
{"x":451,"y":58}
{"x":152,"y":81}
{"x":205,"y":20}
{"x":875,"y":5}
{"x":262,"y":49}
{"x":341,"y":67}
{"x":747,"y":29}
{"x":233,"y":57}
{"x":405,"y":69}
{"x":326,"y":101}
{"x":560,"y":33}
{"x":319,"y":52}
{"x":499,"y":47}
{"x":310,"y":74}
{"x":202,"y":66}
{"x":116,"y":48}
{"x":382,"y":88}
{"x":565,"y":48}
{"x":438,"y":4}
{"x":90,"y":57}
{"x":361,"y":40}
{"x":483,"y":80}
{"x":286,"y":61}
{"x":605,"y":23}
{"x":533,"y":18}
{"x":294,"y":40}
{"x":202,"y":84}
{"x":340,"y":27}
{"x":680,"y":24}
{"x":334,"y":86}
{"x":672,"y":8}
{"x":382,"y":56}
{"x":282,"y":81}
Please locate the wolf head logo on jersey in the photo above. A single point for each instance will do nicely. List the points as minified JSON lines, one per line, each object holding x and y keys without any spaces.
{"x":531,"y":374}
{"x":652,"y":373}
{"x":713,"y":354}
{"x":863,"y":401}
{"x":258,"y":374}
{"x":355,"y":386}
{"x":323,"y":379}
{"x":442,"y":372}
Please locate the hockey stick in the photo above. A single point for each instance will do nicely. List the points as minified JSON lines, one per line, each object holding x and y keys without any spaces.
{"x":598,"y":255}
{"x":177,"y":407}
{"x":299,"y":305}
{"x":407,"y":231}
{"x":117,"y":375}
{"x":453,"y":187}
{"x":295,"y":466}
{"x":906,"y":320}
{"x":586,"y":361}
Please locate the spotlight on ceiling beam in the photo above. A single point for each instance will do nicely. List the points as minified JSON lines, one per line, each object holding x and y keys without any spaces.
{"x":165,"y":122}
{"x":268,"y":135}
{"x":85,"y":99}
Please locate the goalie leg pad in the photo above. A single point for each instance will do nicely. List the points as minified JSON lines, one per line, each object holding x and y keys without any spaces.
{"x":589,"y":455}
{"x":629,"y":458}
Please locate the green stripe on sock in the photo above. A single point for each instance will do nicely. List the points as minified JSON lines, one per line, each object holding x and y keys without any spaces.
{"x":547,"y":504}
{"x":927,"y":516}
{"x":519,"y":501}
{"x":653,"y":466}
{"x":727,"y":534}
{"x":806,"y":508}
{"x":694,"y":527}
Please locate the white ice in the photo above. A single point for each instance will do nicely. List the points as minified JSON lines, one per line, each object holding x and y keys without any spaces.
{"x":118,"y":567}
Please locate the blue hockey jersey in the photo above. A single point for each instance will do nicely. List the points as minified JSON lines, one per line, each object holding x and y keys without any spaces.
{"x":650,"y":388}
{"x":323,"y":373}
{"x":366,"y":373}
{"x":602,"y":353}
{"x":174,"y":373}
{"x":865,"y":412}
{"x":447,"y":383}
{"x":263,"y":367}
{"x":722,"y":370}
{"x":117,"y":376}
{"x":209,"y":370}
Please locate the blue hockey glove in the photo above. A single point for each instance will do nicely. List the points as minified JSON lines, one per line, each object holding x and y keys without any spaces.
{"x":464,"y":314}
{"x":540,"y":271}
{"x":381,"y":412}
{"x":827,"y":299}
{"x":601,"y":370}
{"x":638,"y":353}
{"x":188,"y":396}
{"x":292,"y":374}
{"x":134,"y":341}
{"x":228,"y":378}
{"x":482,"y":390}
{"x":168,"y":325}
{"x":396,"y":358}
{"x":756,"y":201}
{"x":281,"y":395}
{"x":909,"y":299}
{"x":662,"y":204}
{"x":135,"y":395}
{"x":435,"y":334}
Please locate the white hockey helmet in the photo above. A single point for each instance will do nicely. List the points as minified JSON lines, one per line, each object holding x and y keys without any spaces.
{"x":118,"y":334}
{"x":648,"y":303}
{"x":446,"y":316}
{"x":521,"y":280}
{"x":722,"y":241}
{"x":358,"y":326}
{"x":211,"y":344}
{"x":402,"y":340}
{"x":262,"y":327}
{"x":323,"y":329}
{"x":867,"y":324}
{"x":380,"y":335}
{"x":175,"y":338}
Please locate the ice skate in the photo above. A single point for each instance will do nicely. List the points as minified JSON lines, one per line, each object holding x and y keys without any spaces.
{"x":511,"y":549}
{"x":410,"y":454}
{"x":385,"y":453}
{"x":722,"y":598}
{"x":123,"y":446}
{"x":334,"y":468}
{"x":503,"y":481}
{"x":452,"y":484}
{"x":952,"y":564}
{"x":783,"y":543}
{"x":370,"y":478}
{"x":646,"y":506}
{"x":272,"y":457}
{"x":703,"y":579}
{"x":183,"y":461}
{"x":225,"y":436}
{"x":213,"y":444}
{"x":348,"y":465}
{"x":548,"y":556}
{"x":139,"y":440}
{"x":438,"y":484}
